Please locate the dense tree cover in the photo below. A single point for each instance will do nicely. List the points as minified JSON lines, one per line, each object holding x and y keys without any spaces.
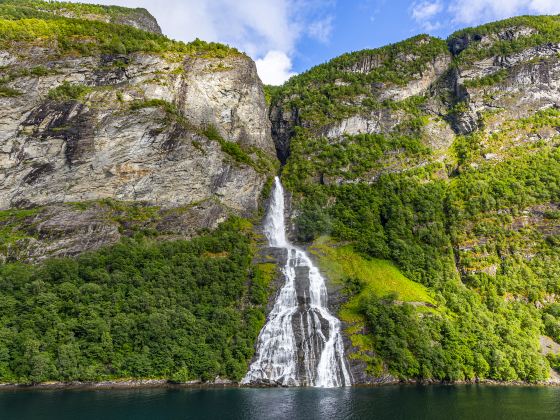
{"x":21,"y":23}
{"x":181,"y":310}
{"x":418,"y":223}
{"x":476,"y":344}
{"x":535,"y":30}
{"x":354,"y":156}
{"x":79,"y":9}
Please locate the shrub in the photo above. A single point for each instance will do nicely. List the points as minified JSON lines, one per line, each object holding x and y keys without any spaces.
{"x":68,"y":91}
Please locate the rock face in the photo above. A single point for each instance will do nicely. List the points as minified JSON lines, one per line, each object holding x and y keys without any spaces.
{"x":283,"y":123}
{"x":168,"y":130}
{"x":97,"y":147}
{"x":140,"y":19}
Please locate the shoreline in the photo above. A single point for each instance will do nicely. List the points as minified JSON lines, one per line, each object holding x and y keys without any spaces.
{"x":222,"y":384}
{"x":116,"y":385}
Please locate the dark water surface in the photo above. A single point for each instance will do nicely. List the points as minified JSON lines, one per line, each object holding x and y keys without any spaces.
{"x":391,"y":402}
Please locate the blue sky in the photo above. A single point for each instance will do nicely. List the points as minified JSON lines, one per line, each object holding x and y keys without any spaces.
{"x":286,"y":37}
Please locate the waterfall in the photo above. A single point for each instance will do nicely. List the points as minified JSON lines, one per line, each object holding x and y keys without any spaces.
{"x":301,"y":343}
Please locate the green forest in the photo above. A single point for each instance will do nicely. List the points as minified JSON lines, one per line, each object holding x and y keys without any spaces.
{"x":180,"y":310}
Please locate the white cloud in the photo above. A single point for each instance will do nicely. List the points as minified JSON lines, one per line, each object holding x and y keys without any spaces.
{"x":321,"y":29}
{"x":549,"y":7}
{"x":261,"y":28}
{"x":275,"y":68}
{"x":423,"y":12}
{"x":476,"y":11}
{"x":430,"y":14}
{"x":426,"y":10}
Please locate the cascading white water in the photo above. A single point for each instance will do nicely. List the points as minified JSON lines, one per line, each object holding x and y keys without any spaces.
{"x":301,"y":343}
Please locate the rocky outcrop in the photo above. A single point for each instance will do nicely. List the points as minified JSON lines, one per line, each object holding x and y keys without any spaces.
{"x":461,"y":42}
{"x":115,"y":143}
{"x":66,"y":230}
{"x":283,"y":122}
{"x":420,"y":84}
{"x":168,"y":130}
{"x":367,"y":111}
{"x":139,"y":18}
{"x":377,"y":122}
{"x":523,"y":82}
{"x":227,"y":94}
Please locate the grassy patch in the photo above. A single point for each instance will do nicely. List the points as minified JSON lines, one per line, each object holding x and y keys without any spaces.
{"x":13,"y":225}
{"x":379,"y":277}
{"x":154,"y":103}
{"x":7,"y":92}
{"x":363,"y":278}
{"x":68,"y":91}
{"x":490,"y":80}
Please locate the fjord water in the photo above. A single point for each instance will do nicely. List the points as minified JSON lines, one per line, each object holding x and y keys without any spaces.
{"x":314,"y":356}
{"x":391,"y":402}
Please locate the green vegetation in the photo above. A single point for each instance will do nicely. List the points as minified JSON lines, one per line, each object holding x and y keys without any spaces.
{"x":452,"y":342}
{"x":490,"y":80}
{"x":79,"y":9}
{"x":156,"y":103}
{"x":27,"y":22}
{"x":328,"y":92}
{"x":354,"y":156}
{"x":554,"y":361}
{"x":472,"y":225}
{"x":374,"y":276}
{"x":68,"y":92}
{"x":13,"y":226}
{"x":472,"y":345}
{"x":535,"y":30}
{"x":7,"y":92}
{"x":552,"y":321}
{"x":269,"y":93}
{"x":181,"y":310}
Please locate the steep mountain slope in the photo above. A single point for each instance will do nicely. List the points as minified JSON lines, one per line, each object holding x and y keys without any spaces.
{"x":118,"y":141}
{"x":91,"y":110}
{"x":442,"y":157}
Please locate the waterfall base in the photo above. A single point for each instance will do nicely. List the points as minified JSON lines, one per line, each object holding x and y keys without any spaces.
{"x":301,"y":343}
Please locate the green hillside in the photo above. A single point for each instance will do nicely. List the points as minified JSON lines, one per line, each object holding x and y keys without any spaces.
{"x":473,"y":219}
